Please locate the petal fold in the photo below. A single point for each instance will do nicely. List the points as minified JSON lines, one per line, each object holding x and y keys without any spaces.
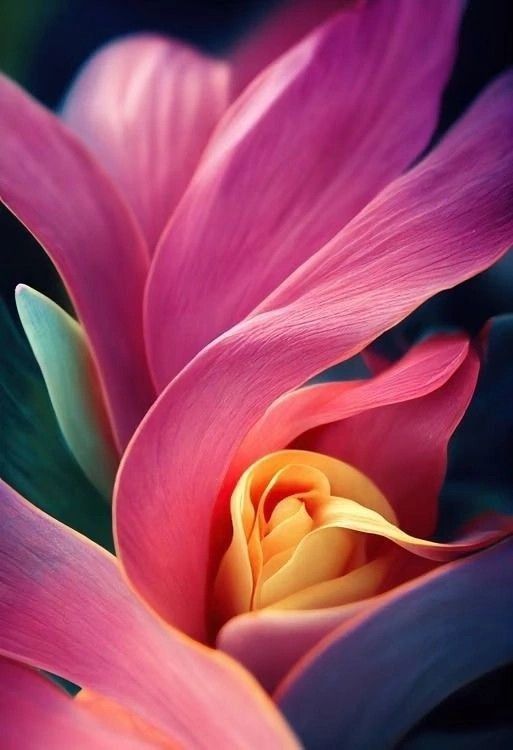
{"x":444,"y":221}
{"x":305,"y":148}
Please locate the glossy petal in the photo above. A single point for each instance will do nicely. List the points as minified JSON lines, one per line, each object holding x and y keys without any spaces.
{"x":55,"y":188}
{"x":65,"y":607}
{"x":433,"y":636}
{"x":444,"y":221}
{"x":63,"y":354}
{"x":36,"y":714}
{"x":283,"y":27}
{"x":273,"y":186}
{"x":34,"y":458}
{"x":146,"y":106}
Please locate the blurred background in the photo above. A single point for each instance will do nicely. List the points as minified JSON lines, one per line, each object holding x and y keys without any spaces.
{"x":44,"y":42}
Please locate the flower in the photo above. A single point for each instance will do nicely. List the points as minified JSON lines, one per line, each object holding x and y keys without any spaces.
{"x":292,"y":525}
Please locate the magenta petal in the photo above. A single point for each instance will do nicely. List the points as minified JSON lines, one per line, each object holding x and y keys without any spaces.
{"x":282,"y":27}
{"x":65,"y":607}
{"x":54,"y":187}
{"x":146,"y":106}
{"x":36,"y":714}
{"x":444,"y":221}
{"x":379,"y":674}
{"x":295,"y":158}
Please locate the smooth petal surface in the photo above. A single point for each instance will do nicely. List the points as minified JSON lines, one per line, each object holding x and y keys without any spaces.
{"x":422,"y":370}
{"x":275,"y":34}
{"x":145,"y":106}
{"x":402,"y":447}
{"x":62,"y":352}
{"x":433,"y":636}
{"x":34,"y":457}
{"x":296,"y":157}
{"x":444,"y":221}
{"x":36,"y":714}
{"x":55,"y":188}
{"x":65,"y":608}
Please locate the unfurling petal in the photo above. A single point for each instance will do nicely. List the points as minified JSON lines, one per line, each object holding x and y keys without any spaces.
{"x":444,"y":221}
{"x":295,"y":158}
{"x":65,"y":607}
{"x":63,"y":354}
{"x":146,"y":106}
{"x":56,"y":189}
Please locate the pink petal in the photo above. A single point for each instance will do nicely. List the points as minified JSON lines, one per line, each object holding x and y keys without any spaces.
{"x":427,"y":639}
{"x":65,"y":200}
{"x":146,"y":106}
{"x":296,"y":157}
{"x":35,"y":714}
{"x":447,"y":219}
{"x":65,"y":607}
{"x":402,"y":447}
{"x":281,"y":28}
{"x":425,"y":368}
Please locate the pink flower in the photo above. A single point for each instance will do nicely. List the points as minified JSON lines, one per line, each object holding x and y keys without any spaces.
{"x":285,"y":245}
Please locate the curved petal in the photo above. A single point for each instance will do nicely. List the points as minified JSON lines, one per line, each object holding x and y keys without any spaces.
{"x":35,"y":714}
{"x":422,"y":370}
{"x":145,"y":106}
{"x":273,"y":186}
{"x":65,"y":607}
{"x":444,"y":221}
{"x":49,"y":181}
{"x":281,"y":28}
{"x":402,"y":446}
{"x":63,"y":354}
{"x":432,"y":635}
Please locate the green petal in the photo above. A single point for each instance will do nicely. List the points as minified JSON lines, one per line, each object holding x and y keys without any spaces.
{"x":61,"y":350}
{"x":34,"y":457}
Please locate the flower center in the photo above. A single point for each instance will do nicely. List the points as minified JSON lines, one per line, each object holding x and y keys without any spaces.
{"x":299,"y":536}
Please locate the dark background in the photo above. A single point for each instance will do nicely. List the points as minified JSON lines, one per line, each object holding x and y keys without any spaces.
{"x":43,"y":42}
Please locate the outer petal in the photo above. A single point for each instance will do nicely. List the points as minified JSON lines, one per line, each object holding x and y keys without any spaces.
{"x":65,"y":607}
{"x":433,"y":636}
{"x":447,"y":219}
{"x":297,"y":156}
{"x":282,"y":27}
{"x":35,"y":714}
{"x":146,"y":106}
{"x":63,"y":354}
{"x":70,"y":206}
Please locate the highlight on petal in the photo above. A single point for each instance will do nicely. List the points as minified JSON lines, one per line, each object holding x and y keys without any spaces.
{"x":145,"y":106}
{"x":433,"y":636}
{"x":276,"y":33}
{"x":66,"y":608}
{"x":61,"y":195}
{"x":35,"y":714}
{"x":447,"y":219}
{"x":63,"y":354}
{"x":351,"y":105}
